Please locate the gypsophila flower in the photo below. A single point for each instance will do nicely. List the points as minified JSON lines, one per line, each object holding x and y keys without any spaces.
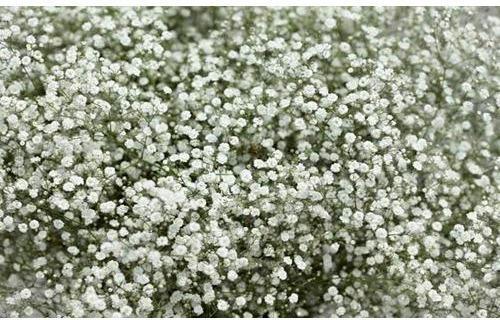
{"x":25,"y":293}
{"x":249,"y":162}
{"x":222,"y":305}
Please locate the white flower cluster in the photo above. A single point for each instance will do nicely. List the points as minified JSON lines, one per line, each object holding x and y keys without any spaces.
{"x":238,"y":162}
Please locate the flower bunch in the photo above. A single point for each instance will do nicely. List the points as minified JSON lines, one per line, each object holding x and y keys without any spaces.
{"x":249,"y":162}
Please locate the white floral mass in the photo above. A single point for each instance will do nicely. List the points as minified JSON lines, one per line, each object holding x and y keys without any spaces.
{"x":249,"y":162}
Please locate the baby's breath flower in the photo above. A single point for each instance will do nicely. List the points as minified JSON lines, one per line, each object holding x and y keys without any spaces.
{"x":231,"y":162}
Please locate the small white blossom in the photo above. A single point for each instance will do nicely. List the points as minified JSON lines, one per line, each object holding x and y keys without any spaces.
{"x":260,"y":162}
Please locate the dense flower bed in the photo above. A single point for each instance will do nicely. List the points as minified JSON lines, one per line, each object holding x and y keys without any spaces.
{"x":249,"y":162}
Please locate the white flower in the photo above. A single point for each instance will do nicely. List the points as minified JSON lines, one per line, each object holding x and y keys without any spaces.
{"x":232,"y":275}
{"x":350,"y":137}
{"x":269,"y":299}
{"x":58,"y":224}
{"x":222,"y":305}
{"x":180,"y":250}
{"x":240,"y":301}
{"x":381,"y":233}
{"x":293,"y":298}
{"x":151,"y":166}
{"x":25,"y":293}
{"x":22,"y":184}
{"x":246,"y":176}
{"x":107,"y":207}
